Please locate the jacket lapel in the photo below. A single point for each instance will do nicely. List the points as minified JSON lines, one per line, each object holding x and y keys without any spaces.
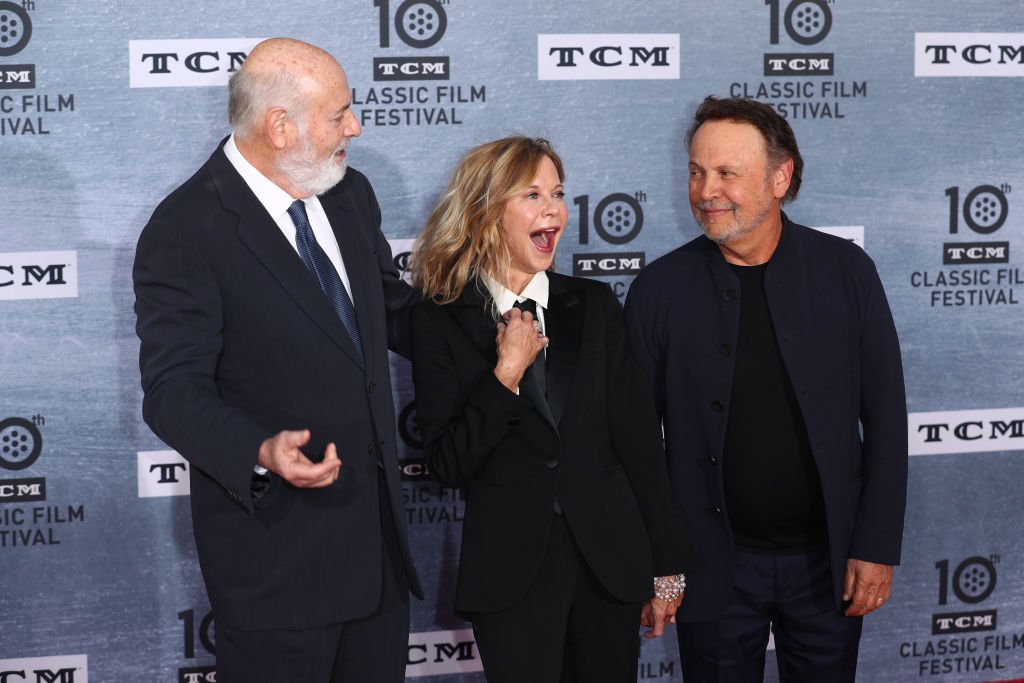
{"x":361,"y":271}
{"x":472,"y":312}
{"x":564,"y":327}
{"x":258,"y":231}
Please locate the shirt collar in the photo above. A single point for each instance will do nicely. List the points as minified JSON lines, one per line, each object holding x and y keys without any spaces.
{"x":275,"y":200}
{"x":504,"y":298}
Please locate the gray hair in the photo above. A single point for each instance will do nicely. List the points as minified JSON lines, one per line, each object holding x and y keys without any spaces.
{"x":253,"y":92}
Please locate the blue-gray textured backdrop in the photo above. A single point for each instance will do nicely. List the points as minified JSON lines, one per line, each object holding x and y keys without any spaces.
{"x":908,"y":116}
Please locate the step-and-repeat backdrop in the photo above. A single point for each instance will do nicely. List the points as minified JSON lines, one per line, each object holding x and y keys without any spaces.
{"x":908,"y":115}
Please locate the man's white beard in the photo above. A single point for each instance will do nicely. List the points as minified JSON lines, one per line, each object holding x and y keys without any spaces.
{"x":312,"y":175}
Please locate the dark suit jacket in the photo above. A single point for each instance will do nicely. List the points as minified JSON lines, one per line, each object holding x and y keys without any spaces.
{"x":598,"y":447}
{"x":238,"y":343}
{"x":839,"y":346}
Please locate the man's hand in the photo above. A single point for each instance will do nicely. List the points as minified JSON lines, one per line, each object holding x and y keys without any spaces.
{"x":281,"y":455}
{"x":657,"y":613}
{"x":867,"y":586}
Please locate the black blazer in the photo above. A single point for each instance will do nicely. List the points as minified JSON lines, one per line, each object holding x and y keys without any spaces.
{"x":598,"y":448}
{"x":238,"y":343}
{"x":839,"y":346}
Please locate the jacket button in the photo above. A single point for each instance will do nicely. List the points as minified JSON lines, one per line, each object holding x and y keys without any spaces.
{"x":369,"y":449}
{"x":370,"y":387}
{"x":718,"y":510}
{"x":513,"y":421}
{"x":717,"y":406}
{"x":728,"y":295}
{"x":552,"y":463}
{"x":725,"y":349}
{"x":713,"y":459}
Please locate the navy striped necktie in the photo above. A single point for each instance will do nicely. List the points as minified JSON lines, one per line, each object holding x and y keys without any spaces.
{"x":321,"y":267}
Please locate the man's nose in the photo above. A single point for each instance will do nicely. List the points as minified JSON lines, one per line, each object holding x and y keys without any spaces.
{"x":352,"y":129}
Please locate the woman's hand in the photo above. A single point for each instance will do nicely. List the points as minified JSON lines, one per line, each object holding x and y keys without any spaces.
{"x":657,"y":613}
{"x":519,"y":341}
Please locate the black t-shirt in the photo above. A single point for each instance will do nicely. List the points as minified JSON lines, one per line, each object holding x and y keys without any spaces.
{"x":772,"y":488}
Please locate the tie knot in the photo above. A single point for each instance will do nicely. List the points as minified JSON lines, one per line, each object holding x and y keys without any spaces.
{"x":527,"y":305}
{"x":297,"y":211}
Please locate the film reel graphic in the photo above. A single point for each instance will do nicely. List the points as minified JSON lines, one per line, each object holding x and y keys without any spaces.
{"x":420,"y":23}
{"x":985,"y":209}
{"x":15,"y":29}
{"x":409,"y":427}
{"x":974,"y":579}
{"x":808,"y":21}
{"x":20,"y":443}
{"x":618,"y":218}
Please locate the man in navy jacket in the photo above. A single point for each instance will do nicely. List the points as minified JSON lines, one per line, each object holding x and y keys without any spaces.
{"x":778,"y":380}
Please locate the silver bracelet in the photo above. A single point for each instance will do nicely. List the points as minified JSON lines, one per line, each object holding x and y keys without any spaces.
{"x":669,"y":587}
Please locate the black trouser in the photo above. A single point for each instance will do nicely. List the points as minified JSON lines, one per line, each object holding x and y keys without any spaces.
{"x":568,"y":628}
{"x":374,"y":648}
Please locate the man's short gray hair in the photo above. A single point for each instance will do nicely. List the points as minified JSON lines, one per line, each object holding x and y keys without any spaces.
{"x":253,"y":92}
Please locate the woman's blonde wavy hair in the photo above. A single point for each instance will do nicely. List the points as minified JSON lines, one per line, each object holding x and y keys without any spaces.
{"x":463,"y":238}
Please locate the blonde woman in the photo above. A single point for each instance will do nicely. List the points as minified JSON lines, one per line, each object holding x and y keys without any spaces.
{"x":528,"y":400}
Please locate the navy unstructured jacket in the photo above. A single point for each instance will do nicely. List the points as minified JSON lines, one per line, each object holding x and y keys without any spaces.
{"x":838,"y":343}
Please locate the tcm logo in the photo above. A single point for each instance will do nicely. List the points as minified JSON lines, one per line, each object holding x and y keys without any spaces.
{"x":411,"y":68}
{"x":966,"y":431}
{"x":963,"y":622}
{"x":187,"y":62}
{"x":817,"y":64}
{"x":806,"y":22}
{"x":162,"y":473}
{"x":418,"y":24}
{"x":64,"y":669}
{"x":968,"y":54}
{"x":17,"y":76}
{"x":972,"y":581}
{"x":851,"y":233}
{"x":401,"y":250}
{"x":442,"y":652}
{"x":984,"y":210}
{"x":15,"y":27}
{"x":414,"y":469}
{"x":197,"y":674}
{"x":22,"y":490}
{"x":38,"y":275}
{"x":591,"y":265}
{"x":969,"y":253}
{"x":613,"y":56}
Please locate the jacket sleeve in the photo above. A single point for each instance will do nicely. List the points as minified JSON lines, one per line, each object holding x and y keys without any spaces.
{"x":463,"y":414}
{"x":636,"y":437}
{"x":399,"y":297}
{"x":178,"y":309}
{"x":878,"y":528}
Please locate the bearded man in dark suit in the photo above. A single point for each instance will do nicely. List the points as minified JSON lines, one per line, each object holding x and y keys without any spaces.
{"x":266,"y":299}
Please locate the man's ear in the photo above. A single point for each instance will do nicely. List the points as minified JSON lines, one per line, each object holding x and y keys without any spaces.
{"x":276,"y":123}
{"x":782,"y":175}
